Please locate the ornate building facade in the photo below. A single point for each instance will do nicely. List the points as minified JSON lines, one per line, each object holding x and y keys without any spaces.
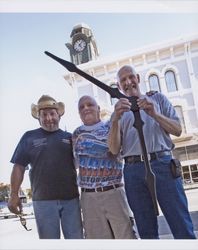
{"x":171,"y":68}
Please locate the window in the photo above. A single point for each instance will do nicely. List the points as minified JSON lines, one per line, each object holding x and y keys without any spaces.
{"x":192,"y":152}
{"x":170,"y":81}
{"x":194,"y":172}
{"x":180,"y":153}
{"x":181,"y":117}
{"x":154,"y":82}
{"x":186,"y":175}
{"x":194,"y":168}
{"x":190,"y":173}
{"x":186,"y":153}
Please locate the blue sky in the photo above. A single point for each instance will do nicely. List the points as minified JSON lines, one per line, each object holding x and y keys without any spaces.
{"x":26,"y":72}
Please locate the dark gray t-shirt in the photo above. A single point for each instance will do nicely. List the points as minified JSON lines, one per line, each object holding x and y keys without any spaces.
{"x":52,"y":173}
{"x":156,"y":138}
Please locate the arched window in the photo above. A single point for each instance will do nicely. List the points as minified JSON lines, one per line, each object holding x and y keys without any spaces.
{"x":181,"y":117}
{"x":170,"y":81}
{"x":154,"y":82}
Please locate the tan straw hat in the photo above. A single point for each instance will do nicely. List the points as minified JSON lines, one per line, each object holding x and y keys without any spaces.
{"x":45,"y":102}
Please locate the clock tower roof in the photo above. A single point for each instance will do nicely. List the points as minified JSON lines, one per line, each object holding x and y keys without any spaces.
{"x":79,"y":27}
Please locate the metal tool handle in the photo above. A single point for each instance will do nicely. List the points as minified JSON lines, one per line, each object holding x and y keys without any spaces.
{"x":138,"y":124}
{"x":149,"y":175}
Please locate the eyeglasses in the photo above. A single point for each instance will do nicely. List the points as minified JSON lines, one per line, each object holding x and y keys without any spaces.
{"x":23,"y":222}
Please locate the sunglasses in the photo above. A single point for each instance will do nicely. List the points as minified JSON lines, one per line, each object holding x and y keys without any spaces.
{"x":23,"y":222}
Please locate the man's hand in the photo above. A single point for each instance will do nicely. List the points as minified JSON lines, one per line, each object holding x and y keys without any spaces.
{"x":123,"y":105}
{"x":147,"y":106}
{"x":14,"y":204}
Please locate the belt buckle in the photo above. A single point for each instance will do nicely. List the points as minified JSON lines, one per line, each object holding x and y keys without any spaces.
{"x":97,"y":189}
{"x":114,"y":186}
{"x":142,"y":157}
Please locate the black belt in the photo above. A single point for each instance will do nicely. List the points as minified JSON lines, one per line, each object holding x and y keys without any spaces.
{"x":102,"y":189}
{"x":139,"y":158}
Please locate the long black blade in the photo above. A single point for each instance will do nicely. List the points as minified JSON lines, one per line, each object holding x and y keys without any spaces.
{"x":138,"y":124}
{"x":113,"y":92}
{"x":72,"y":68}
{"x":149,"y":175}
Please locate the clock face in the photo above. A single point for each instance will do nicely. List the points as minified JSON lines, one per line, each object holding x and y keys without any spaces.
{"x":79,"y":45}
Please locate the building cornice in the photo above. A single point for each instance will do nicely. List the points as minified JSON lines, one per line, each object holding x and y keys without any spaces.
{"x":141,"y":52}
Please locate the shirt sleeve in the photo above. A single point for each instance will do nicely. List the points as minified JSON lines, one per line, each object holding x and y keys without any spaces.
{"x":21,"y":155}
{"x":76,"y":161}
{"x":166,"y":107}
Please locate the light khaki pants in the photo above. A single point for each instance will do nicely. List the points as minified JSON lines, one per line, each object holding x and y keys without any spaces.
{"x":106,"y":215}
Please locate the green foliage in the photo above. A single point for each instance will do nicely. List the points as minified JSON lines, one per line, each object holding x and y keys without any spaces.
{"x":4,"y":191}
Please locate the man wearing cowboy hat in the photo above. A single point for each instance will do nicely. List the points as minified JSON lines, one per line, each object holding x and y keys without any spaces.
{"x":48,"y":151}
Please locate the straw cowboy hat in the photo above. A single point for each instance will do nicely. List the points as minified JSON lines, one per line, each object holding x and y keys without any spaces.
{"x":45,"y":102}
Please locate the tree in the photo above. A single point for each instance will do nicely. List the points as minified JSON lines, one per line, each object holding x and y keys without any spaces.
{"x":4,"y":191}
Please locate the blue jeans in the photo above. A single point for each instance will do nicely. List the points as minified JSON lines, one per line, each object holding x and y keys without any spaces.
{"x":51,"y":215}
{"x":170,"y":195}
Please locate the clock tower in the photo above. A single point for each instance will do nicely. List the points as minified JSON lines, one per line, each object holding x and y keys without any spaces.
{"x":82,"y":46}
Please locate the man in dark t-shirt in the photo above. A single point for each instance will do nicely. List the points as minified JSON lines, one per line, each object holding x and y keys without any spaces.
{"x":48,"y":150}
